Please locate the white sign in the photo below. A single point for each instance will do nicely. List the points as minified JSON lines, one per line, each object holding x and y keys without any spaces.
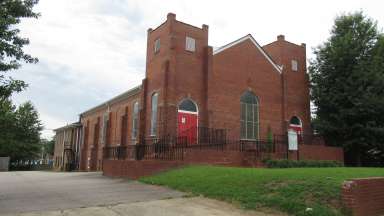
{"x":292,"y":140}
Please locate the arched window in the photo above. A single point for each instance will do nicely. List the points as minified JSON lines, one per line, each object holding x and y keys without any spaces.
{"x":295,"y":121}
{"x":249,"y":117}
{"x":154,"y":114}
{"x":187,"y":105}
{"x":135,"y":119}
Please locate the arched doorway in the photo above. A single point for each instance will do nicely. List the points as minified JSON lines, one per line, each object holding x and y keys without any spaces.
{"x":296,"y":125}
{"x":187,"y":121}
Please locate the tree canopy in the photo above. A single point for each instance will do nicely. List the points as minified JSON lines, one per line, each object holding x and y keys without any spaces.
{"x":347,"y":88}
{"x":21,"y":127}
{"x":48,"y":147}
{"x":11,"y":44}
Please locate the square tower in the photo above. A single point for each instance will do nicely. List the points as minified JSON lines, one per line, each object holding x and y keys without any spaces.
{"x":176,"y":69}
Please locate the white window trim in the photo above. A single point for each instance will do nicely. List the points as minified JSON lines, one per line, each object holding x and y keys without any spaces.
{"x":190,"y":44}
{"x":258,"y":124}
{"x":104,"y":128}
{"x":135,"y":116}
{"x":157,"y":45}
{"x":294,"y":65}
{"x":153,"y":128}
{"x":188,"y":112}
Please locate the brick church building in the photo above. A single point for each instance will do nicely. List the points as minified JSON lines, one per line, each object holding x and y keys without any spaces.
{"x":245,"y":88}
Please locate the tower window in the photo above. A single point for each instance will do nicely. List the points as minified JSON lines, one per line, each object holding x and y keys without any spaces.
{"x":157,"y":45}
{"x":294,"y":65}
{"x":190,"y":44}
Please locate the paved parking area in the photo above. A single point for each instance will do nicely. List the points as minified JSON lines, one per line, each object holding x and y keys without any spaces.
{"x":91,"y":194}
{"x":42,"y":191}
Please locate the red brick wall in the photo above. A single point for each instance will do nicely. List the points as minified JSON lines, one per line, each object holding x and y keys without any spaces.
{"x":320,"y":152}
{"x":295,"y":83}
{"x":174,"y":73}
{"x":227,"y":158}
{"x":237,"y":69}
{"x":135,"y":169}
{"x":364,"y":197}
{"x":117,"y":110}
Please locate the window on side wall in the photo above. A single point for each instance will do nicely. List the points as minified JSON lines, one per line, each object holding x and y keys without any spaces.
{"x":249,"y":116}
{"x":190,"y":44}
{"x":154,"y":114}
{"x":135,"y":119}
{"x":157,"y":45}
{"x":104,"y":128}
{"x":294,"y":65}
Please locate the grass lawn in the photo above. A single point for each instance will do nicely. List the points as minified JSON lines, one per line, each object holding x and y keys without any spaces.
{"x":288,"y":190}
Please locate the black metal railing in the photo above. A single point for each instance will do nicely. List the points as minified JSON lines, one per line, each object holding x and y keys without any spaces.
{"x":175,"y":147}
{"x":159,"y":151}
{"x":115,"y":152}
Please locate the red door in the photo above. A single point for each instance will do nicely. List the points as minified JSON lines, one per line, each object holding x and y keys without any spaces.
{"x":187,"y":126}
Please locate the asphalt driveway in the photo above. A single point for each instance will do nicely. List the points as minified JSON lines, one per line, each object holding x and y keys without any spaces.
{"x":91,"y":194}
{"x":41,"y":191}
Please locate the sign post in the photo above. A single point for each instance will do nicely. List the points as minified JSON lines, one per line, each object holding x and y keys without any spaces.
{"x":292,"y":142}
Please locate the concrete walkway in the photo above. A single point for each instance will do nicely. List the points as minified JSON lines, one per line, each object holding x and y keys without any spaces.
{"x":195,"y":206}
{"x":58,"y":194}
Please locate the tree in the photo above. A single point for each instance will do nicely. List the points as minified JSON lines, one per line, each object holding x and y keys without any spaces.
{"x":11,"y":44}
{"x":7,"y":126}
{"x":19,"y":127}
{"x":347,"y":79}
{"x":21,"y":139}
{"x":48,"y":147}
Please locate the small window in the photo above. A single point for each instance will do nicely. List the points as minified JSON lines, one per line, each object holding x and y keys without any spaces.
{"x":157,"y":45}
{"x":190,"y":44}
{"x":294,"y":65}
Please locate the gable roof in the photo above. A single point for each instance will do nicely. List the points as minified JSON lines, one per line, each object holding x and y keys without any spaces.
{"x":278,"y":68}
{"x":72,"y":125}
{"x":124,"y":95}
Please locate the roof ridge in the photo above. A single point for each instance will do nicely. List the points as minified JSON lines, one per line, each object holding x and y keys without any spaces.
{"x":250,"y":37}
{"x":127,"y":93}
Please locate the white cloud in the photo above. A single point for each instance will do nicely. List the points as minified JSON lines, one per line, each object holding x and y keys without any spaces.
{"x":91,"y":50}
{"x":50,"y":123}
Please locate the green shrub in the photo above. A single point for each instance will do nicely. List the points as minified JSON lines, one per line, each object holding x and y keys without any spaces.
{"x":301,"y":163}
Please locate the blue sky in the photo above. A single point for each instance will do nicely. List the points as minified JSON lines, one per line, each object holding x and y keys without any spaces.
{"x":92,"y":50}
